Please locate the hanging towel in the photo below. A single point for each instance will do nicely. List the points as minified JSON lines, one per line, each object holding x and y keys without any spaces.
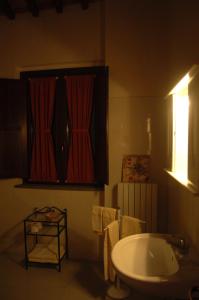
{"x":97,"y":219}
{"x":102,"y":217}
{"x":108,"y":216}
{"x":130,"y":225}
{"x":111,"y":237}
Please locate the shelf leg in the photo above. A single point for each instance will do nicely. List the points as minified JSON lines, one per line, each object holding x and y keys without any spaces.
{"x":25,"y":245}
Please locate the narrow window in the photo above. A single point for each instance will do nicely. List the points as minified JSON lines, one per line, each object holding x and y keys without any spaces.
{"x":180,"y":130}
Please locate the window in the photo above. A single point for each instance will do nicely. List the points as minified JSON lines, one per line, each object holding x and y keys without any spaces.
{"x":180,"y":130}
{"x":66,"y":140}
{"x":183,"y":127}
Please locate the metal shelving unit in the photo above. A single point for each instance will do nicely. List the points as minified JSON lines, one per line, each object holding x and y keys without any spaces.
{"x":45,"y":236}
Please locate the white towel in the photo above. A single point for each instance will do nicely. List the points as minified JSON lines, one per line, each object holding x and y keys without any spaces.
{"x":111,"y":237}
{"x":130,"y":225}
{"x":97,"y":219}
{"x":108,"y":216}
{"x":102,"y":217}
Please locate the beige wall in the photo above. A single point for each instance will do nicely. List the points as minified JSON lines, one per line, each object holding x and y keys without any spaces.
{"x":184,"y":50}
{"x":143,"y":46}
{"x":183,"y":212}
{"x":74,"y":38}
{"x":136,"y":41}
{"x":136,"y":47}
{"x":71,"y":38}
{"x":17,"y":203}
{"x":107,"y":33}
{"x":150,"y":46}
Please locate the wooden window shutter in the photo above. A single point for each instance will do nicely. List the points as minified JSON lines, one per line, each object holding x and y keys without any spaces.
{"x":13,"y":129}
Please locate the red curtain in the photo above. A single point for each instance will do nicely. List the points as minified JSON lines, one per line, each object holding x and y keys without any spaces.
{"x":42,"y":92}
{"x":80,"y":161}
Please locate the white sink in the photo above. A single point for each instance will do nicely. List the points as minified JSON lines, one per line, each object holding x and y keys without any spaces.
{"x":148,"y":263}
{"x":144,"y":257}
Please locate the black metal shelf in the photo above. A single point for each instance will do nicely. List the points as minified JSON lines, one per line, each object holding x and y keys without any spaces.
{"x":47,"y":230}
{"x":44,"y":223}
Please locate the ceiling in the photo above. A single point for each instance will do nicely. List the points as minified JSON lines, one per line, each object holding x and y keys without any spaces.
{"x":10,"y":8}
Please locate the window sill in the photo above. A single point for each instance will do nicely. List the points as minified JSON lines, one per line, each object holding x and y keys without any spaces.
{"x":189,"y":185}
{"x":60,"y":187}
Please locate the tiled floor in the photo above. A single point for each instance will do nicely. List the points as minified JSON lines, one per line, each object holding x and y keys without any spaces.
{"x":77,"y":280}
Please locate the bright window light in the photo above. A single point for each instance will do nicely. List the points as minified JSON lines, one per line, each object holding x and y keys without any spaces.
{"x":180,"y":130}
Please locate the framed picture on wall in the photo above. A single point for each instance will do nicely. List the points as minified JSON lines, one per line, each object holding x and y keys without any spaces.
{"x":135,"y":168}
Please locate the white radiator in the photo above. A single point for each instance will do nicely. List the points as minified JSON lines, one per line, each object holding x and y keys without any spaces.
{"x":139,"y":200}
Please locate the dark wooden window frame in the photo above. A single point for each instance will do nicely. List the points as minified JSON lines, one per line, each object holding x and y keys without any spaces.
{"x":98,"y":130}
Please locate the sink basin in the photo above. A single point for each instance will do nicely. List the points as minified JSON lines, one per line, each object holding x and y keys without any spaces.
{"x":145,"y":257}
{"x":147,"y":262}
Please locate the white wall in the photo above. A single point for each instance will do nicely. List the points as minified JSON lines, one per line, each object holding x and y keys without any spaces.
{"x":149,"y":47}
{"x":52,"y":40}
{"x":132,"y":41}
{"x":16,"y":204}
{"x":136,"y":40}
{"x":183,"y":213}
